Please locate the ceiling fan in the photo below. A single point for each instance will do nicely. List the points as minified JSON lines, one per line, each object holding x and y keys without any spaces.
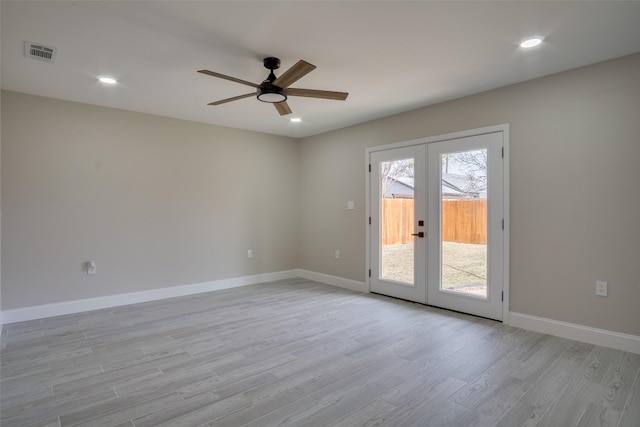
{"x":275,"y":90}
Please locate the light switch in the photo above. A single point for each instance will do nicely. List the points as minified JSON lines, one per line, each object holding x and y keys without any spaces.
{"x":350,"y":205}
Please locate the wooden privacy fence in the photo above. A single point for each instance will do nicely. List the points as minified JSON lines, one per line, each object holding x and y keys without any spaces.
{"x":463,"y":221}
{"x":398,"y":223}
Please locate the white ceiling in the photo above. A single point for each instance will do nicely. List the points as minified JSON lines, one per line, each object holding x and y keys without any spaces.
{"x":390,"y":56}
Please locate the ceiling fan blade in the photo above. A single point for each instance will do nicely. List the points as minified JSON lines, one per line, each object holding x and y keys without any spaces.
{"x":222,"y":76}
{"x":312,"y":93}
{"x":235,"y":98}
{"x":293,"y":74}
{"x":283,"y":108}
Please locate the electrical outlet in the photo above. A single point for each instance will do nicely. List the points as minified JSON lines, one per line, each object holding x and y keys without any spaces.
{"x":249,"y":253}
{"x":91,"y":267}
{"x":601,"y":288}
{"x":337,"y":253}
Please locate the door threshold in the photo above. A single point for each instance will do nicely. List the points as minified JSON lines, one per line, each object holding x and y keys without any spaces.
{"x":439,"y":308}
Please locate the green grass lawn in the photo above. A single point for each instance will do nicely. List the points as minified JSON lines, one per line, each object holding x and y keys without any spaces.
{"x":463,"y":264}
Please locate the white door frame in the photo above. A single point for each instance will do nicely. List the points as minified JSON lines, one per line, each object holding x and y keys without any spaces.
{"x":504,"y":128}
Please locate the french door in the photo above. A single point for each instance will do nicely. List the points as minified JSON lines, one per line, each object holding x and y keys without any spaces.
{"x":398,"y":211}
{"x":437,"y":217}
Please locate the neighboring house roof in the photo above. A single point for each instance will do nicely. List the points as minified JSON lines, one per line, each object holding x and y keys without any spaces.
{"x":398,"y":189}
{"x":456,"y":185}
{"x":448,"y":186}
{"x":406,"y":180}
{"x":453,"y":185}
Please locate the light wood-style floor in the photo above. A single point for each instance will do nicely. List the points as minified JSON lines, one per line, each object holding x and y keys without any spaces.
{"x":302,"y":353}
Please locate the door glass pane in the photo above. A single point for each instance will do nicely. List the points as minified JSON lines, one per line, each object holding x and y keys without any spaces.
{"x":464,"y":222}
{"x":397,"y":220}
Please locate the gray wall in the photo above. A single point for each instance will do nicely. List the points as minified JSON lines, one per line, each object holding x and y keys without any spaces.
{"x":155,"y":202}
{"x":160,"y":202}
{"x":575,"y":189}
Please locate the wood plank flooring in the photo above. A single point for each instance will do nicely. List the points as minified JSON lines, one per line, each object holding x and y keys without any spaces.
{"x":301,"y":353}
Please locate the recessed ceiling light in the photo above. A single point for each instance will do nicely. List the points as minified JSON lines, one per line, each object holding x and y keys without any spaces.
{"x":532,"y":42}
{"x":295,"y":120}
{"x":107,"y":80}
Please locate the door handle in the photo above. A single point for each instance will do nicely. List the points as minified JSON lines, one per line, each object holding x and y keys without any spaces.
{"x":419,"y":234}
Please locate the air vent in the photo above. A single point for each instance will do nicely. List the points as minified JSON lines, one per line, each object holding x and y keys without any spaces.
{"x":39,"y":51}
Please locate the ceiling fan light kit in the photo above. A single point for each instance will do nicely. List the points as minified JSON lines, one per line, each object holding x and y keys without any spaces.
{"x":272,"y":95}
{"x":274,"y":90}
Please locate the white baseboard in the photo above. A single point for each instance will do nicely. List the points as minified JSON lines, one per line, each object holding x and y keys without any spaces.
{"x":79,"y":306}
{"x":576,"y":332}
{"x":340,"y":282}
{"x":543,"y":325}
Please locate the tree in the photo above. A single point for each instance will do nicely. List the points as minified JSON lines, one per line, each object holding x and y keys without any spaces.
{"x":392,"y":170}
{"x":473,"y":164}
